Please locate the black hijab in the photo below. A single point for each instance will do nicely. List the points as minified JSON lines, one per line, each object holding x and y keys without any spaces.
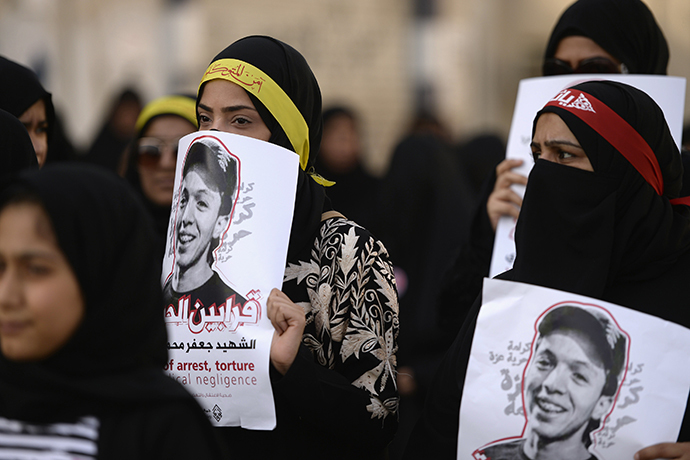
{"x":288,"y":68}
{"x":116,"y":356}
{"x":20,"y":89}
{"x":588,"y":232}
{"x":16,"y":150}
{"x":626,"y":29}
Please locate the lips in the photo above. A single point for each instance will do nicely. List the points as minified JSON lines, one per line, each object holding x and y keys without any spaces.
{"x":549,"y":406}
{"x":185,"y":238}
{"x":12,"y":327}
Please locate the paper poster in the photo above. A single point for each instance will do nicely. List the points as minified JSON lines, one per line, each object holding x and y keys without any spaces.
{"x":551,"y":371}
{"x":533,"y":94}
{"x":226,"y":249}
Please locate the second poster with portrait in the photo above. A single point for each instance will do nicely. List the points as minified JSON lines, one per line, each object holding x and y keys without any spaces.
{"x":558,"y":375}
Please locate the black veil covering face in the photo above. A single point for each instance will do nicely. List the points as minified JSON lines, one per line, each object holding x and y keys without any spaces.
{"x":288,"y":68}
{"x":588,"y":232}
{"x":116,"y":356}
{"x":16,"y":150}
{"x":626,"y":29}
{"x":605,"y":233}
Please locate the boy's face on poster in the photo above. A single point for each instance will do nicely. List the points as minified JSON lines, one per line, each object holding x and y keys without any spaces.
{"x":563,"y":384}
{"x":198,"y":220}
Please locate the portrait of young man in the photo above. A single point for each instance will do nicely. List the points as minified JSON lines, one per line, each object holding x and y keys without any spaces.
{"x":569,"y":386}
{"x":207,"y":196}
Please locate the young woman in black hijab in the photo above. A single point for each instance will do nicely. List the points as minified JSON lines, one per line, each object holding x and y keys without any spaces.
{"x":601,"y":217}
{"x":336,"y":316}
{"x":22,"y":95}
{"x":83,"y":345}
{"x":591,"y":36}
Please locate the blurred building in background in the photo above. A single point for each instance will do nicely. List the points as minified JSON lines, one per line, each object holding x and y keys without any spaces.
{"x":459,"y":59}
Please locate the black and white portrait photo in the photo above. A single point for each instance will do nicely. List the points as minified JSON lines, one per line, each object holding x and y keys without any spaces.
{"x":556,"y":375}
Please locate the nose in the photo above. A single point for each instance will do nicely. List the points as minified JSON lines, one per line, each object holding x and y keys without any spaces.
{"x":168,"y":158}
{"x":10,"y":291}
{"x":187,"y":215}
{"x":555,"y":380}
{"x":40,"y":144}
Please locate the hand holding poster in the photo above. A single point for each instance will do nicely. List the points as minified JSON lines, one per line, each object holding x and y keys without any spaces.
{"x":533,"y":94}
{"x":226,"y":247}
{"x":569,"y":377}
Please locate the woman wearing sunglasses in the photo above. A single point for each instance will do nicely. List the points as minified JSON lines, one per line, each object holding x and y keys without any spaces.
{"x":591,"y":36}
{"x":150,"y":162}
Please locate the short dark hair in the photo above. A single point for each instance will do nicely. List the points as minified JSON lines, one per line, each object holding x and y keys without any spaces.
{"x":221,"y":168}
{"x":609,"y":341}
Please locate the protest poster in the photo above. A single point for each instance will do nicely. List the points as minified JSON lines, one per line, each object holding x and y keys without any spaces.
{"x":555,"y":370}
{"x":226,"y":249}
{"x":533,"y":94}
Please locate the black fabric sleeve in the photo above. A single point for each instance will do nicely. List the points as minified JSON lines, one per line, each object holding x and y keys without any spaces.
{"x":463,"y":281}
{"x":324,"y":400}
{"x":436,"y":433}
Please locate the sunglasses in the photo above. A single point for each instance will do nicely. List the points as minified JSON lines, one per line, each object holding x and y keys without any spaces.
{"x":553,"y":66}
{"x":151,"y":150}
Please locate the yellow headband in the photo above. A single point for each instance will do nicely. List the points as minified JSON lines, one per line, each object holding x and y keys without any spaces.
{"x":181,"y":106}
{"x":271,"y":95}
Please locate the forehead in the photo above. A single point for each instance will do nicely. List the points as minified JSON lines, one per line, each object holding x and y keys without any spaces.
{"x":37,"y":110}
{"x":223,"y":93}
{"x":550,"y":126}
{"x":168,"y":126}
{"x":26,"y":223}
{"x":571,"y":346}
{"x":576,"y":48}
{"x":199,"y":180}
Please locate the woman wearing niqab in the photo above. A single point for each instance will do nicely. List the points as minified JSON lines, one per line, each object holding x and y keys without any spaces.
{"x":625,"y":29}
{"x":619,"y":233}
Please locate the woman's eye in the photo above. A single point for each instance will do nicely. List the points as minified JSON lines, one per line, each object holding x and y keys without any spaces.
{"x":536,"y":155}
{"x":241,"y":121}
{"x":204,"y":119}
{"x":37,"y":269}
{"x":565,"y":155}
{"x":202,"y":204}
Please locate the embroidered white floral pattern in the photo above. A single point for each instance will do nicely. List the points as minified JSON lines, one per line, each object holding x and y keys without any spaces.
{"x":352,"y":310}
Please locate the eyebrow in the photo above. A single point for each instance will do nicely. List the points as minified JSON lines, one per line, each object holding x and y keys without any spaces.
{"x":554,"y":142}
{"x":38,"y":254}
{"x":231,"y":108}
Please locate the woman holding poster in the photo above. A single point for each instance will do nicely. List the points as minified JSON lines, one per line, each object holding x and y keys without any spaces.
{"x":601,"y":217}
{"x":591,"y":36}
{"x":336,"y":316}
{"x":82,"y":343}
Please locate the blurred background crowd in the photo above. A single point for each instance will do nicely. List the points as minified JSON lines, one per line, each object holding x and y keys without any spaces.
{"x":418,"y":98}
{"x":389,"y":60}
